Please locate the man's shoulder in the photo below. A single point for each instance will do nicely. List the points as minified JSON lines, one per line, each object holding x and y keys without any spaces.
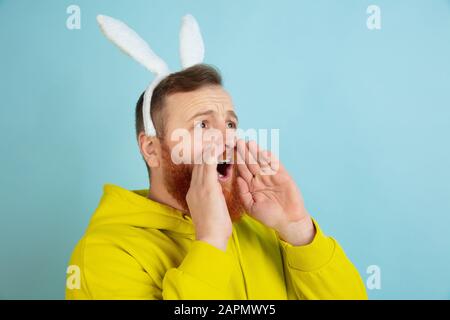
{"x":127,"y":246}
{"x":122,"y":235}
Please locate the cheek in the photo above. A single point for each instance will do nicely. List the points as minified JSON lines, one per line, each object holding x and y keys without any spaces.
{"x":183,"y":146}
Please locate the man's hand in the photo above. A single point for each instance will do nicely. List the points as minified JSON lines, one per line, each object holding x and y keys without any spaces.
{"x":207,"y":203}
{"x":271,"y":196}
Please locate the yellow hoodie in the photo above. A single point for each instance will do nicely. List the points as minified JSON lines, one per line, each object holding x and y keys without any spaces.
{"x":136,"y":248}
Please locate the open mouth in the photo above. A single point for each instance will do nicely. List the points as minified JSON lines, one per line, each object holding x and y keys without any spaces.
{"x":224,"y":170}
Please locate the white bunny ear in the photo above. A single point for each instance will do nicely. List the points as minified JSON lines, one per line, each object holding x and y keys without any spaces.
{"x":192,"y":50}
{"x":132,"y":44}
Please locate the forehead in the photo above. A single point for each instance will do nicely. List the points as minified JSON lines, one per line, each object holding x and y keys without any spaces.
{"x":185,"y":104}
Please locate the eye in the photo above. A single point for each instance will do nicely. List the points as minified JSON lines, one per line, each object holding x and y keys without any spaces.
{"x":231,"y":125}
{"x":200,"y":124}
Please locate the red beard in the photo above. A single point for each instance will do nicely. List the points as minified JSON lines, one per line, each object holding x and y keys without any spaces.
{"x":177,"y":179}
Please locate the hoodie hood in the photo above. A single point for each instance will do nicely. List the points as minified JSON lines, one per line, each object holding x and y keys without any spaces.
{"x":133,"y":208}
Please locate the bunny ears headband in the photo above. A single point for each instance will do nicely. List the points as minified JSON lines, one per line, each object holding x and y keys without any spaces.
{"x":192,"y":52}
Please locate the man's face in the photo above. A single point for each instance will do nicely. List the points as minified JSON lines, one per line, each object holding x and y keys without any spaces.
{"x":202,"y":117}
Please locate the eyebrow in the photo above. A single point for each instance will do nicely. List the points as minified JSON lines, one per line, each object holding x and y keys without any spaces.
{"x":209,"y":112}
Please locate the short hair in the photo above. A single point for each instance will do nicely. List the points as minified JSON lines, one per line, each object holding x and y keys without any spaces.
{"x":189,"y":79}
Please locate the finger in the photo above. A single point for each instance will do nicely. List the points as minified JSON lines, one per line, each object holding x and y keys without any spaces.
{"x":210,"y":163}
{"x":198,"y":171}
{"x":264,"y":159}
{"x":197,"y":174}
{"x":242,"y":168}
{"x":265,"y":163}
{"x":249,"y":160}
{"x":274,"y":162}
{"x":253,"y":151}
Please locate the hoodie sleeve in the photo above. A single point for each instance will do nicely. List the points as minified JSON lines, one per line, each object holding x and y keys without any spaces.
{"x":320,"y":270}
{"x":204,"y":274}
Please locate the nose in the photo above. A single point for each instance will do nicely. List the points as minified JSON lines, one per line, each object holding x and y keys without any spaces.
{"x":224,"y":142}
{"x":229,"y":144}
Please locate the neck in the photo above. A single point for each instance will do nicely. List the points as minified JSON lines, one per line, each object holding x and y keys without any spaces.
{"x":158,"y":192}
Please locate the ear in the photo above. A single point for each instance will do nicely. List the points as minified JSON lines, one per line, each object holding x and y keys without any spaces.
{"x":150,"y":148}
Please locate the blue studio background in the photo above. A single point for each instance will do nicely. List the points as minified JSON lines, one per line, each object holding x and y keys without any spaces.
{"x":364,"y":118}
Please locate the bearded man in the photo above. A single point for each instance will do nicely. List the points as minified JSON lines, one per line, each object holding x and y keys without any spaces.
{"x":215,"y":227}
